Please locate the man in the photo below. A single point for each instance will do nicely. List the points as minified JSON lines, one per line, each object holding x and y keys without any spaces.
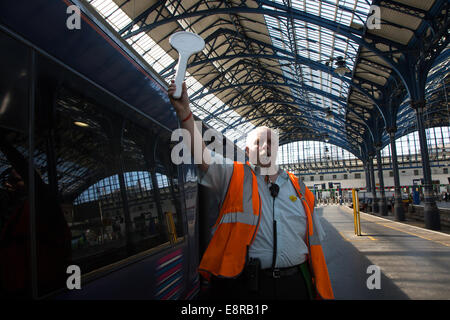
{"x":266,"y":240}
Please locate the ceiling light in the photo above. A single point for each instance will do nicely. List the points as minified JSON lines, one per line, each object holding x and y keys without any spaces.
{"x":81,"y":124}
{"x":329,"y":114}
{"x":341,"y":67}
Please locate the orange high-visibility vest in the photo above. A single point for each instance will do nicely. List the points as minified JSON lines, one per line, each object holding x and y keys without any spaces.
{"x":316,"y":258}
{"x":237,"y":225}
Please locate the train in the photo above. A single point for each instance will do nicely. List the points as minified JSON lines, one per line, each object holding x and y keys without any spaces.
{"x":92,"y":207}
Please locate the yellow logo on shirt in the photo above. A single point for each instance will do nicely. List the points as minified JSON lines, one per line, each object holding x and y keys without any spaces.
{"x":293,"y":198}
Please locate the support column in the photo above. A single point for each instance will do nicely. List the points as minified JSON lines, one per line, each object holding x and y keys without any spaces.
{"x":399,"y":212}
{"x":373,"y":187}
{"x":368,"y":183}
{"x":382,"y":204}
{"x":366,"y":171}
{"x":431,"y":212}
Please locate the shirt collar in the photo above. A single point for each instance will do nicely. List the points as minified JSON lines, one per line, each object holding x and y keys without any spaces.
{"x":282,"y":173}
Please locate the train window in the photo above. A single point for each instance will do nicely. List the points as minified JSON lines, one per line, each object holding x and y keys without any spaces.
{"x":14,"y":84}
{"x":75,"y":151}
{"x":148,"y":225}
{"x":15,"y":240}
{"x":14,"y":215}
{"x":103,"y":186}
{"x":97,"y":224}
{"x":169,"y":184}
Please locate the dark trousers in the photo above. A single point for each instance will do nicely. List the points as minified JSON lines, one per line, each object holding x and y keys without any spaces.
{"x":291,"y":287}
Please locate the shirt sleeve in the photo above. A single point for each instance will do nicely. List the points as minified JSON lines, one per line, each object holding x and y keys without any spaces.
{"x":318,"y":226}
{"x":218,"y":176}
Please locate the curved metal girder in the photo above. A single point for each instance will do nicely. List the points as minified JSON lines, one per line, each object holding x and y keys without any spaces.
{"x":306,"y":62}
{"x":310,"y":62}
{"x":287,"y":115}
{"x":289,"y":9}
{"x":281,"y":102}
{"x":309,"y":105}
{"x":426,"y":114}
{"x":295,"y":102}
{"x":245,"y":119}
{"x":375,"y":102}
{"x":271,"y":9}
{"x":401,"y":133}
{"x":244,"y":77}
{"x":286,"y":55}
{"x":221,"y":7}
{"x":271,"y":84}
{"x":335,"y":142}
{"x":277,"y":10}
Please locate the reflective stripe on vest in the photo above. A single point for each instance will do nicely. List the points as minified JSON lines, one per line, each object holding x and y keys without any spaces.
{"x":236,"y":226}
{"x":316,"y":259}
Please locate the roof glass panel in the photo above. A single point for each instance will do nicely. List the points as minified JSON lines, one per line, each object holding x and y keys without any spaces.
{"x":310,"y":151}
{"x":159,"y":60}
{"x":319,"y":44}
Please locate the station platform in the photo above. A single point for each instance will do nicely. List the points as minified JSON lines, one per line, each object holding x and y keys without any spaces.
{"x":414,"y":262}
{"x":439,"y":204}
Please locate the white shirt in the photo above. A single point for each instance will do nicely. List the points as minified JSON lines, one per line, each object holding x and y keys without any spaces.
{"x":289,"y":214}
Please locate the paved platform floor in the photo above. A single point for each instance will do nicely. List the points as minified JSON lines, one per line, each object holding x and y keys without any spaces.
{"x":440,"y":205}
{"x":414,"y":262}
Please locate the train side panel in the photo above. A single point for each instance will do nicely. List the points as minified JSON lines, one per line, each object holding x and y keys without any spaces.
{"x":100,"y":192}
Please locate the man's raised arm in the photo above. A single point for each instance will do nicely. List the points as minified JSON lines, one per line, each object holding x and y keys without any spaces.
{"x":185,"y":115}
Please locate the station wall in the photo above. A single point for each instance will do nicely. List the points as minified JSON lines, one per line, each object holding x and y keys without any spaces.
{"x":358,"y":179}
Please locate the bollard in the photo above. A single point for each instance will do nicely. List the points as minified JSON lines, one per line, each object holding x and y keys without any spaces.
{"x":356,"y":215}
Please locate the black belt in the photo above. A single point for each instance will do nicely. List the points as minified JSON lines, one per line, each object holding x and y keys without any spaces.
{"x":281,"y":272}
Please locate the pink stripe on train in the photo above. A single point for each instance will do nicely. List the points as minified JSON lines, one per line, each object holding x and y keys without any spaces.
{"x":169,"y":256}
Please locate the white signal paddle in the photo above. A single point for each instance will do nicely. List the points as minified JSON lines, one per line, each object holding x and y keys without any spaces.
{"x":186,"y":43}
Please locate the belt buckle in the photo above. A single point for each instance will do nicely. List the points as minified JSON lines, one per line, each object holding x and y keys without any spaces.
{"x":276,"y":274}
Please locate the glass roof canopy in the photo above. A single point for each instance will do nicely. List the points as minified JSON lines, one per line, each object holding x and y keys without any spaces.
{"x":274,"y":62}
{"x":305,"y":39}
{"x":158,"y":59}
{"x":319,"y":44}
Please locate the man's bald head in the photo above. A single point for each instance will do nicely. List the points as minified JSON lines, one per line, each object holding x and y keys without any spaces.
{"x":262,"y":146}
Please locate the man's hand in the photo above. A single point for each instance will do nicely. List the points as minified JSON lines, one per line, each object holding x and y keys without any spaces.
{"x":181,"y":105}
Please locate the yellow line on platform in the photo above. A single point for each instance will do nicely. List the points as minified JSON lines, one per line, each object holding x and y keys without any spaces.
{"x":359,"y":238}
{"x":414,"y":234}
{"x":371,"y":238}
{"x":342,"y":235}
{"x":371,"y":218}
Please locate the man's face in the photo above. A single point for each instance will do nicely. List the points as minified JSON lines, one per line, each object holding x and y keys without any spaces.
{"x":262,"y":151}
